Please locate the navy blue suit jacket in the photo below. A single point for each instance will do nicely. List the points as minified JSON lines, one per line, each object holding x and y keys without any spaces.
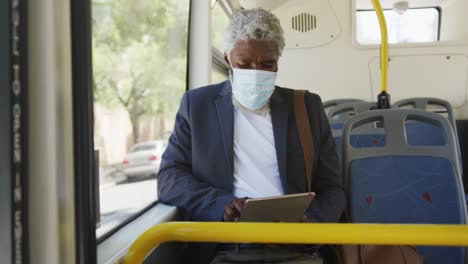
{"x":196,"y":172}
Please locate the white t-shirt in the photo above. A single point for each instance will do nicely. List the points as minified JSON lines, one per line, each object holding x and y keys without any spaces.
{"x":256,"y":171}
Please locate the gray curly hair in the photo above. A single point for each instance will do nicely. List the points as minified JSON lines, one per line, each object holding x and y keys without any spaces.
{"x":254,"y":24}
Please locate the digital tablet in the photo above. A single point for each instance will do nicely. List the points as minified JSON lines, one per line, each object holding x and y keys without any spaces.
{"x":285,"y":208}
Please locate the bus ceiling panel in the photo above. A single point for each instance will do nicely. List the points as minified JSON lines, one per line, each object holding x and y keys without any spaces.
{"x":233,"y":4}
{"x":360,"y":4}
{"x":308,"y":24}
{"x":438,"y":76}
{"x":266,"y":4}
{"x":388,"y":4}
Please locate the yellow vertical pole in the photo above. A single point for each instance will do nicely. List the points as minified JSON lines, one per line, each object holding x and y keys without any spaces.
{"x":384,"y":46}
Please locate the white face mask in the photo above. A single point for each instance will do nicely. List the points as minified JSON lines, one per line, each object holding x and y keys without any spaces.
{"x":253,"y":88}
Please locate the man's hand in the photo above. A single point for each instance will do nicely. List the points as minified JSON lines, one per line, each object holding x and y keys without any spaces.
{"x":233,"y":210}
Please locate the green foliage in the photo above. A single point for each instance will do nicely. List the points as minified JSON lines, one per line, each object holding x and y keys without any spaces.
{"x":219,"y":22}
{"x":139,"y":55}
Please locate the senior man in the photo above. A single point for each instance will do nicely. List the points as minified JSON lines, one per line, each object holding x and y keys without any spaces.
{"x":239,"y":139}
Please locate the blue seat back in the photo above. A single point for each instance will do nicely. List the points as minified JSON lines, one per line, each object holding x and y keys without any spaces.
{"x":364,"y":140}
{"x":424,"y":134}
{"x":413,"y":177}
{"x":434,"y":105}
{"x":337,"y":126}
{"x":417,"y":134}
{"x":337,"y":116}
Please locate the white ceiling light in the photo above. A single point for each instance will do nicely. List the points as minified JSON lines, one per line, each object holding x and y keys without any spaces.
{"x":400,"y":6}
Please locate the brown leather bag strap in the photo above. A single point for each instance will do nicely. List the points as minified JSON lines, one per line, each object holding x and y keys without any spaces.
{"x":305,"y":134}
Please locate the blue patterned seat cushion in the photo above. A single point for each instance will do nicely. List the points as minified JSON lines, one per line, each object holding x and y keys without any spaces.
{"x":408,"y":189}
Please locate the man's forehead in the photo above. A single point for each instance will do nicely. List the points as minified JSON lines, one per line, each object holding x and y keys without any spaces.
{"x":248,"y":48}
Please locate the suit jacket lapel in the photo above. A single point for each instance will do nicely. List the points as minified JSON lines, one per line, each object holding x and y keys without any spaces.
{"x":279,"y":118}
{"x":225,"y":111}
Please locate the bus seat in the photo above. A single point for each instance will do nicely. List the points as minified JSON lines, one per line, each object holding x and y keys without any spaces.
{"x":424,"y":134}
{"x":362,"y":139}
{"x":435,"y":105}
{"x":343,"y":112}
{"x":338,"y":116}
{"x":327,"y":105}
{"x":405,"y":183}
{"x":417,"y":134}
{"x":337,"y":126}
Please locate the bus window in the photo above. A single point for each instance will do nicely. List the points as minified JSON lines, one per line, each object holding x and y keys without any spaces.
{"x":219,"y":21}
{"x":217,"y":76}
{"x":139,"y":66}
{"x":410,"y":26}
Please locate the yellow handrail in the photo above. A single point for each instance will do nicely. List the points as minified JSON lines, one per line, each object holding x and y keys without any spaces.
{"x":435,"y":235}
{"x":384,"y":46}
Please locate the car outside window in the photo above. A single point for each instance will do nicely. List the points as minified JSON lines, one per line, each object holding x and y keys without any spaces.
{"x":142,"y":148}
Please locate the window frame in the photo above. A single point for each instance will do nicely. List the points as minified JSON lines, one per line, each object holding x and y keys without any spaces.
{"x":83,"y":132}
{"x":124,"y":223}
{"x":115,"y":247}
